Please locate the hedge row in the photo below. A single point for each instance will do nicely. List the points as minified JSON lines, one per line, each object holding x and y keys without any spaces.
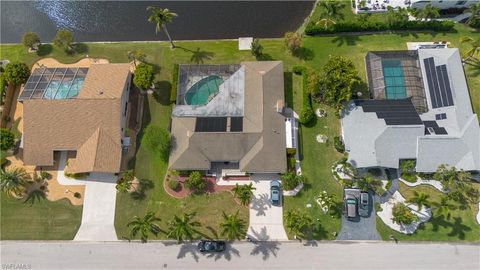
{"x":173,"y":91}
{"x":307,"y":114}
{"x":355,"y":26}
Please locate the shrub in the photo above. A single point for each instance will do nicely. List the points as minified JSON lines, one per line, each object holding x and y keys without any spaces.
{"x":371,"y":25}
{"x":408,"y":170}
{"x":16,"y":73}
{"x":257,"y":48}
{"x":157,"y":140}
{"x":173,"y":92}
{"x":3,"y":158}
{"x":195,"y":182}
{"x":63,"y":39}
{"x":143,"y":76}
{"x":77,"y":195}
{"x":402,"y":214}
{"x":306,"y":115}
{"x":174,"y":185}
{"x":377,"y":172}
{"x":7,"y":139}
{"x":30,"y":40}
{"x":291,"y":163}
{"x":298,"y":69}
{"x":339,"y":146}
{"x":293,"y":41}
{"x":378,"y":207}
{"x":291,"y":180}
{"x":45,"y":175}
{"x":291,"y":151}
{"x":76,"y":175}
{"x":389,"y":184}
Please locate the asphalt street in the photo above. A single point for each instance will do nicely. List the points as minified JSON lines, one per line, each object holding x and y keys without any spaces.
{"x":241,"y":255}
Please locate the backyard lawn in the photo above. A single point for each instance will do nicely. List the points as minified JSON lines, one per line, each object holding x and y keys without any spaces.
{"x":43,"y":220}
{"x":461,"y":226}
{"x":317,"y":158}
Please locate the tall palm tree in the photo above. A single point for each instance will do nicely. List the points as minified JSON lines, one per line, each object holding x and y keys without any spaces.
{"x":232,"y":226}
{"x":144,"y":226}
{"x":183,"y":228}
{"x":475,"y":10}
{"x":297,"y":222}
{"x":244,"y":192}
{"x":420,"y":199}
{"x":430,"y":12}
{"x":474,"y":50}
{"x":443,"y":207}
{"x":13,"y":181}
{"x":162,"y":16}
{"x":35,"y":194}
{"x":330,"y":12}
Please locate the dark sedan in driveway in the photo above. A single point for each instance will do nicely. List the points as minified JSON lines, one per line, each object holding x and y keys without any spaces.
{"x":211,"y":246}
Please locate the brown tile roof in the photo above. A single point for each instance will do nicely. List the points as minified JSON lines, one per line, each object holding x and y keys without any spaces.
{"x":88,"y":124}
{"x":104,"y":81}
{"x":261,"y":145}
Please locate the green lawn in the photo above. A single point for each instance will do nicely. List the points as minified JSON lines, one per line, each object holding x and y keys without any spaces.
{"x":461,"y":226}
{"x":43,"y":220}
{"x":316,"y":158}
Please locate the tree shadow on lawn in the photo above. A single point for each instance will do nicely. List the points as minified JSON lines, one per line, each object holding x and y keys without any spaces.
{"x":288,"y":86}
{"x":199,"y":56}
{"x":162,"y":93}
{"x":80,"y":48}
{"x":459,"y":229}
{"x":44,"y":49}
{"x":348,"y":40}
{"x":304,"y":53}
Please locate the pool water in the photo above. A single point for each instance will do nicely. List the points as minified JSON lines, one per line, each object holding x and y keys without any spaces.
{"x":63,"y":90}
{"x":394,"y":79}
{"x":201,"y":91}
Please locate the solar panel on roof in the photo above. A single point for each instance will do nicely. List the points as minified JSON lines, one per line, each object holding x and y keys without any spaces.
{"x":236,"y":124}
{"x":441,"y":84}
{"x":438,"y":84}
{"x":448,"y":89}
{"x":211,"y":124}
{"x":440,"y":131}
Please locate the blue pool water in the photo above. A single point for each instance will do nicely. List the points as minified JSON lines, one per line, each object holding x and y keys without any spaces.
{"x":394,"y":79}
{"x":63,"y":90}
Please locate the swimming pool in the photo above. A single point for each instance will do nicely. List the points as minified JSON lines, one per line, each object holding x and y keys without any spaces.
{"x":63,"y":90}
{"x":203,"y":90}
{"x":394,"y":79}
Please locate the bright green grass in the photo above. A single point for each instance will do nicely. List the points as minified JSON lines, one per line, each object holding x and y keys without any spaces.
{"x":317,"y":158}
{"x":461,"y":226}
{"x":43,"y":220}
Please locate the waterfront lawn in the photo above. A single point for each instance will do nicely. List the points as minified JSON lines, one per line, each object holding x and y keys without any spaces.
{"x":44,"y":220}
{"x":462,"y":225}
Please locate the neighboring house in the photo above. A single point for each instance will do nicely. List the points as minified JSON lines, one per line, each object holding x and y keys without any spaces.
{"x":421,"y":110}
{"x":381,"y":5}
{"x":443,"y":4}
{"x":232,"y":115}
{"x":76,"y":109}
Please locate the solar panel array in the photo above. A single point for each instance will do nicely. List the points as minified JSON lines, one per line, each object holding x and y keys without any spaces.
{"x":54,"y":83}
{"x":211,"y":124}
{"x":236,"y":124}
{"x":438,"y":84}
{"x":433,"y":126}
{"x":394,"y":112}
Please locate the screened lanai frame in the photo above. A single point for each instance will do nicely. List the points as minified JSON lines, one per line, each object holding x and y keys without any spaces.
{"x":412,"y":74}
{"x":186,"y":73}
{"x":54,"y":83}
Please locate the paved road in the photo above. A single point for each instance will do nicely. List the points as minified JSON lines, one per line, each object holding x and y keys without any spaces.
{"x":362,"y":228}
{"x":244,"y":255}
{"x":266,"y":220}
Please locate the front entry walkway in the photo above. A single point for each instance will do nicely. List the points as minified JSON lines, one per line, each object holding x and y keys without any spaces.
{"x":266,"y":220}
{"x":98,"y":204}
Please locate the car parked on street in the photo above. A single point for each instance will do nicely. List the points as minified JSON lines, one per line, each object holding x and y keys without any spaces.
{"x":350,"y":205}
{"x":363,"y":208}
{"x":211,"y":246}
{"x":275,"y":194}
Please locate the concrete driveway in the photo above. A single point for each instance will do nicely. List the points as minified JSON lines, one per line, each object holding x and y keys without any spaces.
{"x":361,"y":228}
{"x":98,"y":209}
{"x":266,"y":220}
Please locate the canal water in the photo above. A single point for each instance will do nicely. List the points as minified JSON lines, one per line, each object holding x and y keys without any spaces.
{"x":127,"y":20}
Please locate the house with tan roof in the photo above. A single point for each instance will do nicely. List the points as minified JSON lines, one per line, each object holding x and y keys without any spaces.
{"x":80,"y":110}
{"x":230,"y":114}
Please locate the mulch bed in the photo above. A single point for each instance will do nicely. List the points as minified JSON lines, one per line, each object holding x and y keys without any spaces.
{"x":183,"y":192}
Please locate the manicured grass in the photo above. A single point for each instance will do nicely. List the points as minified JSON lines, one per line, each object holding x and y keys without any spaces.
{"x":317,"y":159}
{"x":43,"y":220}
{"x":462,"y":225}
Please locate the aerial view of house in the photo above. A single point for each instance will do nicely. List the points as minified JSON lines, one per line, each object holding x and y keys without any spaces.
{"x":421,"y":109}
{"x":327,"y":134}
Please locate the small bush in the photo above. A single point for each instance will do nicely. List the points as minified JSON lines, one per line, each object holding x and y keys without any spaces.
{"x":143,"y":76}
{"x":77,"y":195}
{"x":402,"y":214}
{"x":63,"y":39}
{"x":291,"y":151}
{"x":30,"y":40}
{"x":388,"y":185}
{"x":291,"y":163}
{"x":173,"y":92}
{"x":306,"y":115}
{"x":44,"y":175}
{"x":338,"y":144}
{"x":7,"y":139}
{"x":378,"y":207}
{"x":291,"y":180}
{"x":298,"y":69}
{"x":174,"y":185}
{"x":195,"y":182}
{"x":257,"y":48}
{"x":412,"y":178}
{"x":157,"y":140}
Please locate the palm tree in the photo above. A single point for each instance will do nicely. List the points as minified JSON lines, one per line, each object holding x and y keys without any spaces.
{"x":13,"y":181}
{"x":144,"y":226}
{"x":443,"y":207}
{"x":475,"y":10}
{"x":136,"y":56}
{"x":162,"y":16}
{"x":297,"y":222}
{"x":244,"y":192}
{"x":430,"y":12}
{"x":35,"y":194}
{"x":420,"y":199}
{"x":471,"y":54}
{"x":330,"y":12}
{"x":232,"y":226}
{"x":183,"y":228}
